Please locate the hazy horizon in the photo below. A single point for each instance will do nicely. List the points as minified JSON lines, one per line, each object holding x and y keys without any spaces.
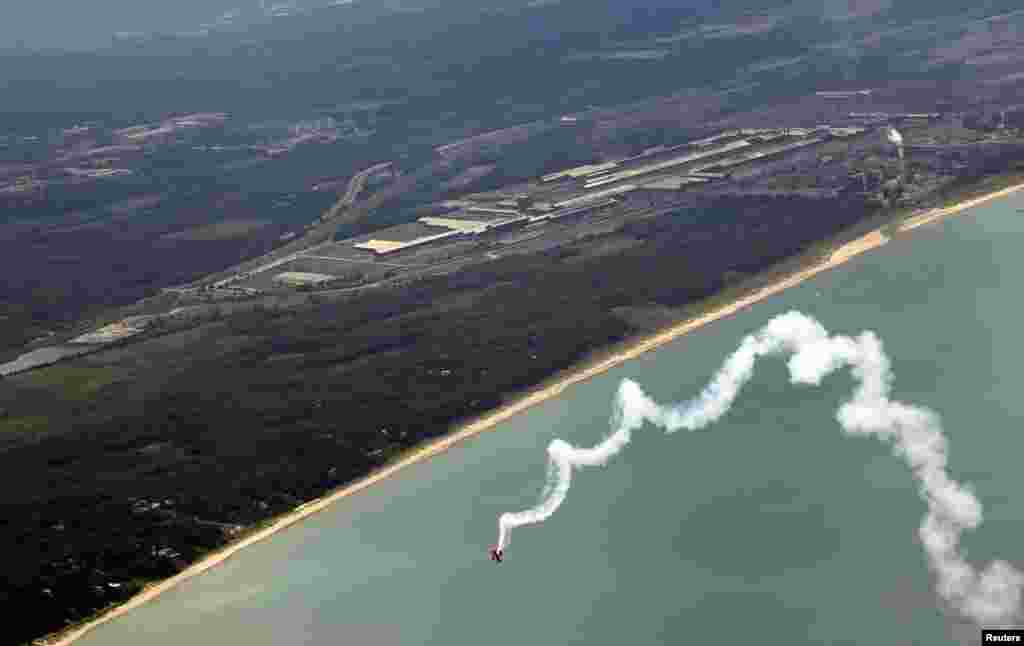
{"x":63,"y":25}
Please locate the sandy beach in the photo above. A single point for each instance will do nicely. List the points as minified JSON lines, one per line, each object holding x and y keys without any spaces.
{"x":935,"y":214}
{"x":547,"y":391}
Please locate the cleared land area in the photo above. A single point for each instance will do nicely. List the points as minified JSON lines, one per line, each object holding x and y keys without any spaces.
{"x":77,"y":383}
{"x":219,"y":230}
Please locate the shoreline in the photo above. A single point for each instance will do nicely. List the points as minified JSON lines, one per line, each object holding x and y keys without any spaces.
{"x":551,"y":388}
{"x":934,"y":214}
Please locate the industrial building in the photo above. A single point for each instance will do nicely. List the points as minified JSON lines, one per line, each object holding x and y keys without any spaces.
{"x":660,"y":159}
{"x":660,"y":169}
{"x":667,"y":164}
{"x":406,"y":236}
{"x":583,"y":189}
{"x":881,"y":116}
{"x":487,"y":210}
{"x":471,"y":226}
{"x":520,"y":218}
{"x":762,"y":153}
{"x":301,"y":278}
{"x":591,"y":197}
{"x":591,"y":205}
{"x":674,"y":183}
{"x":708,"y":141}
{"x":579,"y":172}
{"x":843,"y":94}
{"x":475,"y":220}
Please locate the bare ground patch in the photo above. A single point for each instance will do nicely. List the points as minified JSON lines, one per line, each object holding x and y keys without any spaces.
{"x":218,"y":230}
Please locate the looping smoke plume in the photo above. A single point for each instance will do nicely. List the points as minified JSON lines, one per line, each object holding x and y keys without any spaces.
{"x":990,"y":596}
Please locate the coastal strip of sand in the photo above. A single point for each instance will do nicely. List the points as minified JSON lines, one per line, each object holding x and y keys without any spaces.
{"x":841,"y":254}
{"x":934,"y":214}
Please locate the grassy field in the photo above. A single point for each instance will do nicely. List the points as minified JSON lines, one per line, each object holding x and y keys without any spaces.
{"x":219,"y":230}
{"x":69,"y":382}
{"x":24,"y":424}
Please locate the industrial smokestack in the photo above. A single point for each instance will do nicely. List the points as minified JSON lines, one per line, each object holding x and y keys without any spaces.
{"x":895,"y":138}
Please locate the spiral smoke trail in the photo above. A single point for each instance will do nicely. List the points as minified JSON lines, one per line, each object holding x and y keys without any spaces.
{"x":989,"y":597}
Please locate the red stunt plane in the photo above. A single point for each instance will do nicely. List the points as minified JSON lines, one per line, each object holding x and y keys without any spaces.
{"x":496,"y":554}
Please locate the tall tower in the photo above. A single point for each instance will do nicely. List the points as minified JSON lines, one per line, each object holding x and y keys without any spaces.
{"x":895,"y":138}
{"x":24,"y":184}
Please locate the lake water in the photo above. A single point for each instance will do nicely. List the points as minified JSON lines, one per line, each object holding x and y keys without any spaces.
{"x":770,"y":527}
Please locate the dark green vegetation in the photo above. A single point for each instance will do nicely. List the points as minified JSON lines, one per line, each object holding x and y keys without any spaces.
{"x":246,"y":417}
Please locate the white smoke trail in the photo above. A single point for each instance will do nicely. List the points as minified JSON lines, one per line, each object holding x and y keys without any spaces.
{"x":988,"y":597}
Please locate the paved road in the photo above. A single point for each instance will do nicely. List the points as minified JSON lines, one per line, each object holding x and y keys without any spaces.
{"x":374,"y":262}
{"x":322,"y":231}
{"x":355,"y":187}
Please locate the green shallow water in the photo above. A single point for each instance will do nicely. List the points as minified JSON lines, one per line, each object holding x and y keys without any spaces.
{"x":770,"y":527}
